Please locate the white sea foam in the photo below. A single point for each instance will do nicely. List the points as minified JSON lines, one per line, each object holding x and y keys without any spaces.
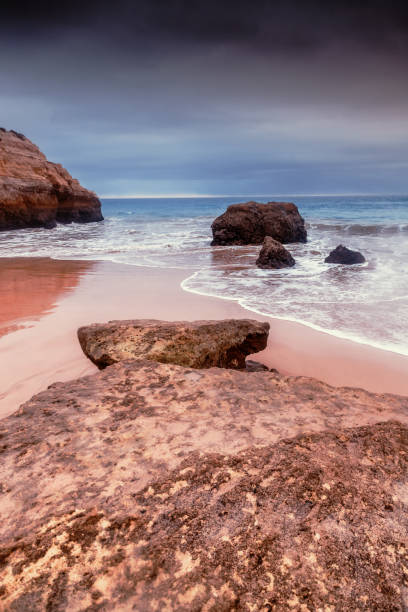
{"x":366,"y":303}
{"x":346,"y":335}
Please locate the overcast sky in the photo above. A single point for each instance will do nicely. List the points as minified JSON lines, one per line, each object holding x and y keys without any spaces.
{"x":235,"y":98}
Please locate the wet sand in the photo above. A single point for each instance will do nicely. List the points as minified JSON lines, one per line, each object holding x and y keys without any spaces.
{"x":44,"y":309}
{"x":29,"y":288}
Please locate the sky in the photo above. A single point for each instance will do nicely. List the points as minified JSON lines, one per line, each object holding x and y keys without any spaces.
{"x":217,"y":97}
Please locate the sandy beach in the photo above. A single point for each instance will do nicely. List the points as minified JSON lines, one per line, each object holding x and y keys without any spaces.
{"x":44,"y":301}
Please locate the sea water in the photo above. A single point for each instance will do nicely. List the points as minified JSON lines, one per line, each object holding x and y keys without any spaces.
{"x":367,"y":303}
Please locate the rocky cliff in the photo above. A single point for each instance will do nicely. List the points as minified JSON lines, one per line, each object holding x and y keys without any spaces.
{"x":35,"y":192}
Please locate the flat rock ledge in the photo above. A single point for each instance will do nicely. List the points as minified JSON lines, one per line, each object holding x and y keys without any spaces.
{"x":197,"y":344}
{"x":35,"y":192}
{"x":273,"y":255}
{"x":250,"y":222}
{"x":150,"y":486}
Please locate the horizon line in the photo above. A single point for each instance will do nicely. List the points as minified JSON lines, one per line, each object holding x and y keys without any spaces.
{"x":196,"y":195}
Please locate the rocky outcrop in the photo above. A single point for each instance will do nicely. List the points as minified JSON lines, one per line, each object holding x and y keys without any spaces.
{"x":35,"y":192}
{"x":198,"y":344}
{"x":151,"y":486}
{"x":273,"y":255}
{"x":343,"y":255}
{"x":249,"y":223}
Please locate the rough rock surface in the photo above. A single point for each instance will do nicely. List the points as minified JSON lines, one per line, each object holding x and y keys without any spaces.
{"x":343,"y":255}
{"x":150,"y":486}
{"x":273,"y":255}
{"x":197,"y":344}
{"x":35,"y":192}
{"x":249,"y":223}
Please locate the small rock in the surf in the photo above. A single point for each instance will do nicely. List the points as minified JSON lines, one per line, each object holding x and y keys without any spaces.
{"x":343,"y":255}
{"x":274,"y":255}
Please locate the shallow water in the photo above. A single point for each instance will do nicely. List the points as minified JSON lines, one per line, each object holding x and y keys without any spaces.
{"x":367,"y":303}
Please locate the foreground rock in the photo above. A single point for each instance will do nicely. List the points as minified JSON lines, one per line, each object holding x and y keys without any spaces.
{"x":343,"y":255}
{"x":249,"y":223}
{"x":198,"y":344}
{"x":273,"y":255}
{"x":150,"y":486}
{"x":35,"y":192}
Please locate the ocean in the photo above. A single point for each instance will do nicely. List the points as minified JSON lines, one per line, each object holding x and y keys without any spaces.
{"x":367,"y":303}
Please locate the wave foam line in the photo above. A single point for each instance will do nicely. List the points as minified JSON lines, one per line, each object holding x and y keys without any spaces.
{"x":331,"y":332}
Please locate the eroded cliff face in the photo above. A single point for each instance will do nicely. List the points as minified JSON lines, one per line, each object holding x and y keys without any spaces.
{"x":151,"y":486}
{"x":35,"y":192}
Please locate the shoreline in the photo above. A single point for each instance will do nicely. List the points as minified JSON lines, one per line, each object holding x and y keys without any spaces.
{"x":14,"y":323}
{"x":336,"y":334}
{"x":45,"y":350}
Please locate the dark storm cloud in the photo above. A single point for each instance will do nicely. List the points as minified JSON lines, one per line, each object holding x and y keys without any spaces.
{"x":286,"y":22}
{"x":220,"y":97}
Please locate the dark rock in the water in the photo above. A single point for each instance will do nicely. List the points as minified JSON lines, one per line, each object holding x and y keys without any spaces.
{"x":274,"y":255}
{"x":198,"y":344}
{"x":150,"y":486}
{"x":249,"y":223}
{"x":255,"y":366}
{"x":35,"y":192}
{"x":343,"y":255}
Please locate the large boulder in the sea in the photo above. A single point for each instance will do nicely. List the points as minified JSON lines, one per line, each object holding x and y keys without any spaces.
{"x":273,"y":255}
{"x":35,"y":192}
{"x":197,"y":344}
{"x":249,"y":223}
{"x":150,"y":486}
{"x":343,"y":255}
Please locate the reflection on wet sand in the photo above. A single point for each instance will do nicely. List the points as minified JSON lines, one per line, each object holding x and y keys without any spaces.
{"x":234,"y":258}
{"x":31,"y":288}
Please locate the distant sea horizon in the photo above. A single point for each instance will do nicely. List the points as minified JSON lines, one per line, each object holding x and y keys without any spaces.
{"x":251,"y":197}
